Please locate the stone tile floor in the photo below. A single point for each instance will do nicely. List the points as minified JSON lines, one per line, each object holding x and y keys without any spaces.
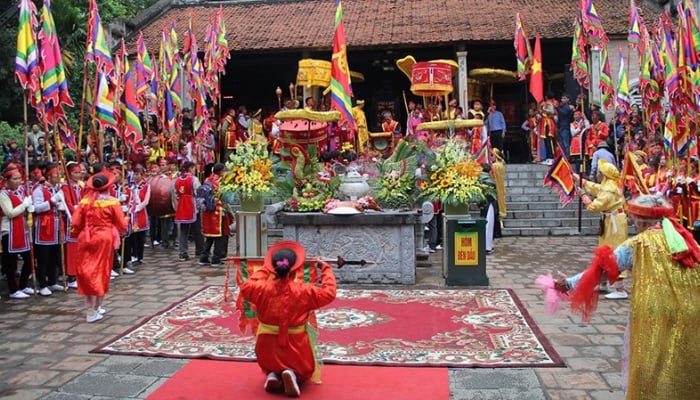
{"x":44,"y":342}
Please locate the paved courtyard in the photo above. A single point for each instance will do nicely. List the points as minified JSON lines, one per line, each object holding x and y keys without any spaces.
{"x":44,"y":342}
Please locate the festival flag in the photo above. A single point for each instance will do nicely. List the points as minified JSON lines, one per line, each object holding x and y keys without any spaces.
{"x":483,"y":156}
{"x":65,"y":133}
{"x":579,"y":56}
{"x":132,"y":132}
{"x":560,"y":176}
{"x":221,"y":50}
{"x":54,"y":85}
{"x":523,"y":52}
{"x":632,"y":176}
{"x":624,"y":101}
{"x":27,"y":58}
{"x":648,"y":86}
{"x":689,"y":18}
{"x":144,"y":70}
{"x":104,"y":104}
{"x":592,"y":25}
{"x":536,"y":76}
{"x":169,"y":115}
{"x":606,"y":83}
{"x":669,"y":59}
{"x":634,"y":36}
{"x":97,"y":48}
{"x":341,"y":90}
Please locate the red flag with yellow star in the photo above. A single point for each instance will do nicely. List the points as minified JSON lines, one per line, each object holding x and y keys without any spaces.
{"x":536,"y":77}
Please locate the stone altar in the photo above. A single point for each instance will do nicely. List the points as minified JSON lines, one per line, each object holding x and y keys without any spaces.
{"x":387,"y":238}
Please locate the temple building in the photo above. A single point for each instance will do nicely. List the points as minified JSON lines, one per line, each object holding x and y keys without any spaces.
{"x":268,"y":38}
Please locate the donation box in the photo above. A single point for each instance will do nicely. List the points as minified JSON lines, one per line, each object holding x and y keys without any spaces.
{"x":464,"y":258}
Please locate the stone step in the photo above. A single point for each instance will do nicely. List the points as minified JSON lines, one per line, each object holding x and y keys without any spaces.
{"x":526,"y":168}
{"x":542,"y":196}
{"x":550,"y":213}
{"x":548,"y":223}
{"x":540,"y":205}
{"x":552,"y":231}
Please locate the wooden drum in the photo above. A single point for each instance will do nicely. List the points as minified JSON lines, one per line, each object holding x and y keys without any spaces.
{"x":160,"y":204}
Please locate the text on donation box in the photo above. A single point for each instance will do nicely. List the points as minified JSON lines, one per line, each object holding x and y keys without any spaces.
{"x":467,"y":248}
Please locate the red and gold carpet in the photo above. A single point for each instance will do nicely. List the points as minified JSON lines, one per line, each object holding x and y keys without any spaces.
{"x":448,"y":328}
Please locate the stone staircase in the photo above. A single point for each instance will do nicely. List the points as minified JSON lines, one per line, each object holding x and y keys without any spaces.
{"x":536,"y":210}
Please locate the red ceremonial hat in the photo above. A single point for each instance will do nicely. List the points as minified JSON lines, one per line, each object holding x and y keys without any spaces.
{"x":296,"y":247}
{"x":101,"y":181}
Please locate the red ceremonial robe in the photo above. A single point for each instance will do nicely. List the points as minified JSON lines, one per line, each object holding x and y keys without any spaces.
{"x":215,"y":223}
{"x":283,"y":307}
{"x":18,"y":241}
{"x":73,"y":193}
{"x":184,"y":189}
{"x":139,"y":220}
{"x":47,"y":223}
{"x":94,"y":223}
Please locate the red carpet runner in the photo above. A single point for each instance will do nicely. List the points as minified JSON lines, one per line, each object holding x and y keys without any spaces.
{"x":211,"y":380}
{"x":456,"y":328}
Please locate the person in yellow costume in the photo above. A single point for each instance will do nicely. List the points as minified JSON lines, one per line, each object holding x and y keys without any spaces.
{"x":358,"y":115}
{"x":608,"y":202}
{"x":498,"y":173}
{"x":660,"y":355}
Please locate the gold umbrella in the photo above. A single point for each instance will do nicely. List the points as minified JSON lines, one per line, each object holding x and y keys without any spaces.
{"x":450,"y":124}
{"x":316,"y":116}
{"x":493,"y":75}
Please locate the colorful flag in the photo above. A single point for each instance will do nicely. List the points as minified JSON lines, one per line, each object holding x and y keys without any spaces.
{"x":54,"y":85}
{"x":632,"y":176}
{"x":144,"y":69}
{"x":341,"y":90}
{"x":536,"y":76}
{"x":669,"y":59}
{"x":560,"y":176}
{"x":211,"y":75}
{"x":97,"y":48}
{"x":624,"y":101}
{"x":523,"y":52}
{"x":65,"y":133}
{"x":634,"y":36}
{"x":592,"y":25}
{"x":606,"y":83}
{"x":104,"y":104}
{"x":221,"y":51}
{"x":579,"y":56}
{"x":132,"y":132}
{"x":26,"y":61}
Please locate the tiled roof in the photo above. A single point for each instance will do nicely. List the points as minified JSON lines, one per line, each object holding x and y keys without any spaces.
{"x":308,"y":24}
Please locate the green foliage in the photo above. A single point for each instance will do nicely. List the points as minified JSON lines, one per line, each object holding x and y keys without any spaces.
{"x":397,"y":179}
{"x":8,"y":132}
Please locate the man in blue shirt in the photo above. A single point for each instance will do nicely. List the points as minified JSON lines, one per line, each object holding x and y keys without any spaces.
{"x":496,"y":125}
{"x":565,"y":115}
{"x":602,"y":152}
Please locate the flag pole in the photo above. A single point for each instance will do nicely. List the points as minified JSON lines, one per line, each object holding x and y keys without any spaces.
{"x":83,"y":102}
{"x":25,"y":124}
{"x":583,"y":161}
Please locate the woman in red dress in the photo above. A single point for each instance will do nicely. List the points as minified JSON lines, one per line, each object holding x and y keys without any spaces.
{"x":285,"y":306}
{"x":98,"y":221}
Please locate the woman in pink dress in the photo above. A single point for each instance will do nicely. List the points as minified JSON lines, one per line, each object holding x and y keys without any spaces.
{"x":98,"y":221}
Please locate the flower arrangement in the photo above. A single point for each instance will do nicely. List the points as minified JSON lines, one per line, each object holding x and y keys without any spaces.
{"x":453,"y":177}
{"x":249,"y":170}
{"x":395,"y":185}
{"x":310,"y":193}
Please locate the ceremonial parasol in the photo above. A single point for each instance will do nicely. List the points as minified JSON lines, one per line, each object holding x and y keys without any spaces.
{"x":450,"y":123}
{"x":493,"y":75}
{"x":317,"y":116}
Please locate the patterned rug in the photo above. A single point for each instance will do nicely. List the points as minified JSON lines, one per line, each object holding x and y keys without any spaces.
{"x":453,"y":328}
